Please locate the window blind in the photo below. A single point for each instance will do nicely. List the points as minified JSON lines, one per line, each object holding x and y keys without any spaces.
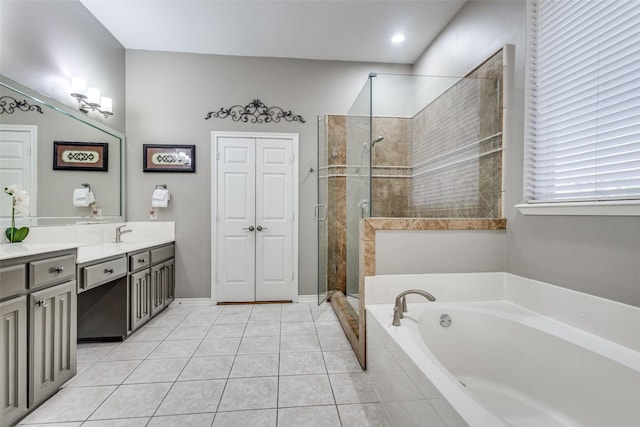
{"x":583,"y":101}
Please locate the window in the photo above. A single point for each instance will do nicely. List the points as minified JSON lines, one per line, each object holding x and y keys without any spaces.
{"x":583,"y":103}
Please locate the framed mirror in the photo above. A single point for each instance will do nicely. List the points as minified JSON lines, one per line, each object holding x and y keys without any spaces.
{"x":33,"y":129}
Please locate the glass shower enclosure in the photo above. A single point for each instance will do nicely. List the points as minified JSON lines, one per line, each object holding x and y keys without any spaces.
{"x":409,"y":146}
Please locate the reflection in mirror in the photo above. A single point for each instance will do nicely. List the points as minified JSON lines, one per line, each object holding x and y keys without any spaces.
{"x":28,"y":129}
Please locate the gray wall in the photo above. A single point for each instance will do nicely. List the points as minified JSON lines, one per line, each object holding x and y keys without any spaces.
{"x":439,"y":251}
{"x":168,"y":96}
{"x":596,"y":255}
{"x":45,"y":43}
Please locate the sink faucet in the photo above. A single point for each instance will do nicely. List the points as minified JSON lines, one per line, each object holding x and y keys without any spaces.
{"x":120,"y":231}
{"x":401,"y":303}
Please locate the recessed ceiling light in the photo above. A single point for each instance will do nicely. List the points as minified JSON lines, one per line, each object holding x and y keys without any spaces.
{"x":398,"y":38}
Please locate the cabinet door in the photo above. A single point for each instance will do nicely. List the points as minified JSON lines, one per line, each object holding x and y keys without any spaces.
{"x":13,"y":372}
{"x":170,"y":281}
{"x":140,"y":298}
{"x":52,"y":340}
{"x":157,"y":289}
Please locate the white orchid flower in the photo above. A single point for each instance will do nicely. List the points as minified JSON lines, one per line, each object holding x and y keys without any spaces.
{"x":21,"y":199}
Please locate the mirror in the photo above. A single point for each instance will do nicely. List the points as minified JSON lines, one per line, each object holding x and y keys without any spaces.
{"x":34,"y":135}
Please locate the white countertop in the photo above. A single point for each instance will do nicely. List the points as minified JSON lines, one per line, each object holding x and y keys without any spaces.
{"x":90,"y":253}
{"x":93,"y":241}
{"x":16,"y":250}
{"x":85,"y":253}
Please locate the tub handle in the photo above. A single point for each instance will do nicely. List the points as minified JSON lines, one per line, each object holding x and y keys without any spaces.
{"x":401,"y":303}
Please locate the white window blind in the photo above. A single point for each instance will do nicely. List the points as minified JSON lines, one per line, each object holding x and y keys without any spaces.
{"x":583,"y":101}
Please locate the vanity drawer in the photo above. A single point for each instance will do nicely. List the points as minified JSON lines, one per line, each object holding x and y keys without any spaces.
{"x":51,"y":271}
{"x":104,"y":272}
{"x":13,"y":280}
{"x":139,"y":261}
{"x":163,"y":253}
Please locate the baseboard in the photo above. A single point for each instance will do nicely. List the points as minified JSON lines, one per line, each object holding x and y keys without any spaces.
{"x":192,"y":301}
{"x":302,"y":299}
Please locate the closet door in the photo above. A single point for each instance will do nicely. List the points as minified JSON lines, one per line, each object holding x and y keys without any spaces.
{"x":255,"y":218}
{"x":274,"y":219}
{"x":236,"y":179}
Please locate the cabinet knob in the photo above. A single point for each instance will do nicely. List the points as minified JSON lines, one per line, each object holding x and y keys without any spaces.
{"x":140,"y":260}
{"x":108,"y":270}
{"x":57,"y":270}
{"x":42,"y":303}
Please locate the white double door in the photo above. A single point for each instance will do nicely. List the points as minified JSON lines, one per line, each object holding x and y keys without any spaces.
{"x":254,"y":214}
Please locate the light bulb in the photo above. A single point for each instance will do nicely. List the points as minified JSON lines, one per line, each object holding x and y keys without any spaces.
{"x":106,"y":104}
{"x":93,"y":96}
{"x":78,"y":87}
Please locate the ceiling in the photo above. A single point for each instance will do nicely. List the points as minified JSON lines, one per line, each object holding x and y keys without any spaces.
{"x":347,"y":30}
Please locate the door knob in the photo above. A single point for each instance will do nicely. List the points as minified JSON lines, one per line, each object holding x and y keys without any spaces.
{"x":250,"y":228}
{"x":260,"y":228}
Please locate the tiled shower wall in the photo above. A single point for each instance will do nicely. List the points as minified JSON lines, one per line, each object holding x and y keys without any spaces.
{"x":391,"y":167}
{"x":336,"y":203}
{"x":457,"y":149}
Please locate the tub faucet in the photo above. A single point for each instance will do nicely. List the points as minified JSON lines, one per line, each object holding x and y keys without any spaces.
{"x":120,"y":231}
{"x":401,"y":303}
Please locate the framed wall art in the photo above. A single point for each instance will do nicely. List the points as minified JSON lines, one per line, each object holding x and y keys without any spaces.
{"x":81,"y":156}
{"x":168,"y":158}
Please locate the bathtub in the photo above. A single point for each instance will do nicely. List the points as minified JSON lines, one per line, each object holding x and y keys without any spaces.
{"x":504,"y":356}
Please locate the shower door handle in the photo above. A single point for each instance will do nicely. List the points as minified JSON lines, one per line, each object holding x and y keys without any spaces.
{"x":316,"y":212}
{"x":364,"y":208}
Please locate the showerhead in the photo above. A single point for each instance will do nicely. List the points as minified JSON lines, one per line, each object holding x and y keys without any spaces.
{"x":375,"y":141}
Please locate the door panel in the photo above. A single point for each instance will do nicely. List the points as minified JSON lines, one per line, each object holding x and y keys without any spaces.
{"x":52,"y":341}
{"x":236,"y":215}
{"x":274,"y":188}
{"x":272,"y":266}
{"x":17,"y":164}
{"x":13,"y":371}
{"x":274,"y":214}
{"x":236,"y":207}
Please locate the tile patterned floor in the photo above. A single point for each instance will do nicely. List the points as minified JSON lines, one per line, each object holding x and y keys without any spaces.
{"x":242,"y":365}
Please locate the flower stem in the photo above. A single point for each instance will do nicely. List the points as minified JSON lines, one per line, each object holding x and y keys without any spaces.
{"x":13,"y":217}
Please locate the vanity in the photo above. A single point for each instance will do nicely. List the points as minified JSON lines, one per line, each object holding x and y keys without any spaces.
{"x":83,"y":288}
{"x":69,"y":281}
{"x":143,"y":277}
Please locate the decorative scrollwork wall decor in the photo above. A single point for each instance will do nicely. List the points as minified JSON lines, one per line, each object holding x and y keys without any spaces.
{"x":8,"y":104}
{"x":255,"y":112}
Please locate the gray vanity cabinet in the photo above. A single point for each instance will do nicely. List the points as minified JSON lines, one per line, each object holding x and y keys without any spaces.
{"x":38,"y":332}
{"x":152,"y":283}
{"x":52,"y":340}
{"x":13,"y":338}
{"x":157,"y":289}
{"x":169,"y":281}
{"x":140,"y":284}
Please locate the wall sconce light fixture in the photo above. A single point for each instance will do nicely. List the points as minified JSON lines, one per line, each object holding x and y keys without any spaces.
{"x":89,"y":99}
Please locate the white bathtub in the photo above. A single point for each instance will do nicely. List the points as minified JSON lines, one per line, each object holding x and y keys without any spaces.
{"x":508,"y":357}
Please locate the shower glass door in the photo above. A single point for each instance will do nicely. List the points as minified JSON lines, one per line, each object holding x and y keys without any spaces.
{"x":358,"y":177}
{"x":321,"y":211}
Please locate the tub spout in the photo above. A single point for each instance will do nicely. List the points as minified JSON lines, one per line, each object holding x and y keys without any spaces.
{"x":401,"y":303}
